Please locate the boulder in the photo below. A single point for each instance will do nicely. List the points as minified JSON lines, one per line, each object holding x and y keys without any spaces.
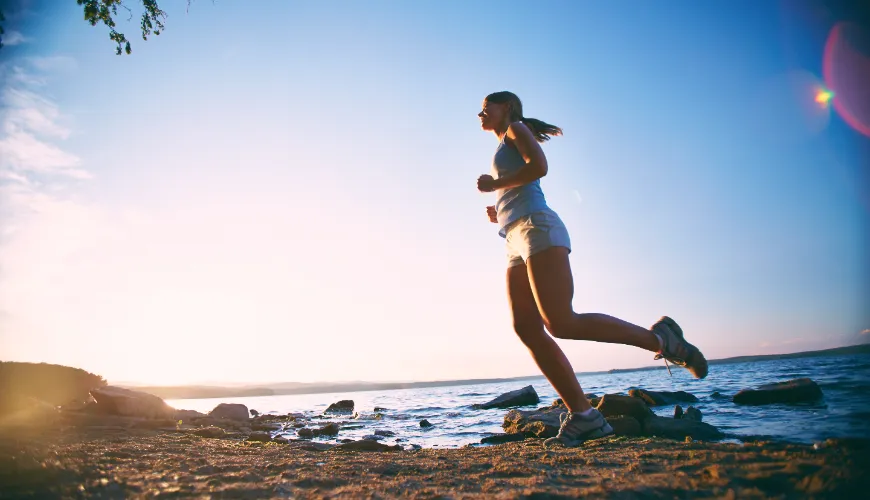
{"x":625,"y":426}
{"x":693,"y":413}
{"x":520,"y":397}
{"x":613,"y":405}
{"x":366,"y":445}
{"x":330,"y":429}
{"x":188,"y":415}
{"x":678,"y":412}
{"x":118,"y":401}
{"x":425,"y":424}
{"x":343,"y":406}
{"x":305,"y":433}
{"x":260,"y":436}
{"x":802,"y":390}
{"x":662,"y":398}
{"x":679,"y":428}
{"x":541,"y":423}
{"x":230,"y":411}
{"x":503,"y":438}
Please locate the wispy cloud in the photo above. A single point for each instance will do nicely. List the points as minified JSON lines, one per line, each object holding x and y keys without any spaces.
{"x":53,"y":63}
{"x":866,"y":332}
{"x":14,"y":38}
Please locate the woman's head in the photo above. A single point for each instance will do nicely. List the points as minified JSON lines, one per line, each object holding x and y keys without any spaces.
{"x":500,"y":109}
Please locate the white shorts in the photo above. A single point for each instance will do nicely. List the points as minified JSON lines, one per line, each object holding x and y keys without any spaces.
{"x":533,"y":233}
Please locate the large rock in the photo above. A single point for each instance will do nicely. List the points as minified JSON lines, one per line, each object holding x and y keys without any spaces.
{"x":625,"y":426}
{"x":662,"y":398}
{"x":188,"y":415}
{"x":613,"y":405}
{"x":231,"y":411}
{"x":542,"y":423}
{"x":343,"y":406}
{"x":679,"y":428}
{"x":520,"y":397}
{"x":801,"y":390}
{"x":118,"y":401}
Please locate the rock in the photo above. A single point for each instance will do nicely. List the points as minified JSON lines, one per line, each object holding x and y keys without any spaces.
{"x":188,"y":415}
{"x":343,"y":406}
{"x":678,"y":412}
{"x":230,"y":411}
{"x":425,"y":424}
{"x":314,"y":446}
{"x":612,"y":405}
{"x":801,"y":390}
{"x":625,"y":426}
{"x":662,"y":398}
{"x":379,"y":409}
{"x":118,"y":401}
{"x":520,"y":397}
{"x":266,"y":427}
{"x":305,"y":433}
{"x":280,"y":440}
{"x":679,"y":429}
{"x":254,"y":413}
{"x":210,"y":432}
{"x":558,"y":403}
{"x":346,"y":440}
{"x":260,"y":436}
{"x":542,"y":423}
{"x":718,"y":395}
{"x":693,"y":413}
{"x":503,"y":438}
{"x":330,"y":429}
{"x":366,"y":445}
{"x":385,"y":433}
{"x":372,"y":437}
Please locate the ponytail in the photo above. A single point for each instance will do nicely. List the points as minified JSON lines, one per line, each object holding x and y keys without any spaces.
{"x":540,"y":129}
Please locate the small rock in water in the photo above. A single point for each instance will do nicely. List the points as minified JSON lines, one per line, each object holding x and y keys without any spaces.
{"x":662,"y":398}
{"x":330,"y":429}
{"x":254,"y":413}
{"x":693,"y":413}
{"x":385,"y":433}
{"x":717,"y":395}
{"x":305,"y":433}
{"x":802,"y":390}
{"x":372,"y":437}
{"x":231,"y":411}
{"x":379,"y":409}
{"x":678,"y":411}
{"x":343,"y":406}
{"x":520,"y":397}
{"x":425,"y":424}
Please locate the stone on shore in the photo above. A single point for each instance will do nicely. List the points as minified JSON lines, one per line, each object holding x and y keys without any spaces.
{"x":503,"y":438}
{"x":662,"y":398}
{"x":259,"y":436}
{"x":612,"y":405}
{"x":330,"y":429}
{"x":343,"y":406}
{"x":679,"y":428}
{"x":230,"y":411}
{"x":209,"y":432}
{"x":541,"y":423}
{"x":624,"y":425}
{"x":188,"y":415}
{"x":125,"y":402}
{"x":526,"y":396}
{"x":366,"y":445}
{"x":801,"y":390}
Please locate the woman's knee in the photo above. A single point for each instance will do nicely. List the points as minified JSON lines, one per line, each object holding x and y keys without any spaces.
{"x":530,"y":332}
{"x":565,"y":326}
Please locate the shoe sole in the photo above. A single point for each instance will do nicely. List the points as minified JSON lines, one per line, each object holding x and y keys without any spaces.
{"x":679,"y":333}
{"x":601,"y":432}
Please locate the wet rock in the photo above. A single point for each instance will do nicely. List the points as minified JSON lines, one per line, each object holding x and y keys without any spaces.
{"x":520,"y":397}
{"x":679,"y":429}
{"x":541,"y":423}
{"x":117,"y":401}
{"x":425,"y":424}
{"x":210,"y":432}
{"x":625,"y":426}
{"x":718,"y":395}
{"x":230,"y":411}
{"x":314,"y":446}
{"x":372,"y":437}
{"x":385,"y":433}
{"x":280,"y":440}
{"x":802,"y":390}
{"x":305,"y":433}
{"x":266,"y":426}
{"x":260,"y":436}
{"x":678,"y":412}
{"x":662,"y":398}
{"x":379,"y":409}
{"x":254,"y":413}
{"x":693,"y":413}
{"x":366,"y":445}
{"x":343,"y":406}
{"x":330,"y":429}
{"x":503,"y":438}
{"x":613,"y":405}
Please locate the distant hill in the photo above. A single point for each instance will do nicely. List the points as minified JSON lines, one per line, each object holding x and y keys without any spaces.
{"x":54,"y":384}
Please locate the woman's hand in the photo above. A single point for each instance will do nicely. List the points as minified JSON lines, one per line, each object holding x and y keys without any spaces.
{"x":486,"y":184}
{"x":490,"y":212}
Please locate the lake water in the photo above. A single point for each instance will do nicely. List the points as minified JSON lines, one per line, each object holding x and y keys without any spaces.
{"x":844,"y":412}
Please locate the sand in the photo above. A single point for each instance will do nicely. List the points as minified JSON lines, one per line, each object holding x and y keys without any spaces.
{"x":131,"y":463}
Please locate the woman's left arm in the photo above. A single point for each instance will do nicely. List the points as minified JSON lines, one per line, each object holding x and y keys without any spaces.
{"x":530,"y":150}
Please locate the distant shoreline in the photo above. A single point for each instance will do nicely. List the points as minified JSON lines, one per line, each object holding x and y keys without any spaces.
{"x":297,"y":388}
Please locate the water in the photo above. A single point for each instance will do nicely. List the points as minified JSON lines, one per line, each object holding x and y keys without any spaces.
{"x":844,"y":412}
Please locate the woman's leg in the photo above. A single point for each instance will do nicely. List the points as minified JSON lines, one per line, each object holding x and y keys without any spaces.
{"x":530,"y":328}
{"x":553,"y":287}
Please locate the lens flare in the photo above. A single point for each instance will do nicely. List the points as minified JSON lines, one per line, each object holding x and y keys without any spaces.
{"x":823,"y":96}
{"x":846,"y":68}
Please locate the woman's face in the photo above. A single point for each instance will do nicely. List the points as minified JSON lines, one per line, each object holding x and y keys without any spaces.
{"x":492,"y":115}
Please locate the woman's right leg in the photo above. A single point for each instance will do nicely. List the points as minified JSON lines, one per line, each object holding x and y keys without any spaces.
{"x":546,"y":352}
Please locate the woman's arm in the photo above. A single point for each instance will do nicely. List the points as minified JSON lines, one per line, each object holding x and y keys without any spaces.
{"x":536,"y":162}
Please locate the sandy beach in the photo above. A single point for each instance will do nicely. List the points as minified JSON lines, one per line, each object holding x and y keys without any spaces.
{"x":131,"y":463}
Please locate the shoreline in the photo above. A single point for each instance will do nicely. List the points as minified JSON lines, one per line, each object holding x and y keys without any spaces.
{"x":116,"y":463}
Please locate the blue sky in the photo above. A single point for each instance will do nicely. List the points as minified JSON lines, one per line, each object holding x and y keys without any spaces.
{"x":286,"y":190}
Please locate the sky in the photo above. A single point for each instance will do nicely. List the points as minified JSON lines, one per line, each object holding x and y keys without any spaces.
{"x":286,"y":190}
